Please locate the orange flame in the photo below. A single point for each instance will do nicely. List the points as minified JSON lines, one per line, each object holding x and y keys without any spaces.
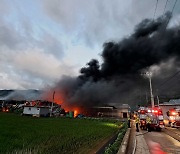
{"x":58,"y":98}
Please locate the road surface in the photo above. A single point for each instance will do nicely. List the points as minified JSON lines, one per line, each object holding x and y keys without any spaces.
{"x":167,"y":143}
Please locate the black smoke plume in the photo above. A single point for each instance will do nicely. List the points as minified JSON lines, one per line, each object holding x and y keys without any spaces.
{"x":118,"y":79}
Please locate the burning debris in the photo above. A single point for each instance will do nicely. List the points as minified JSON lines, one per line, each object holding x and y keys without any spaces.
{"x":34,"y":107}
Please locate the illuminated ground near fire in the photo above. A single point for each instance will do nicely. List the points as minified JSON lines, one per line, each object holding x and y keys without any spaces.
{"x":52,"y":135}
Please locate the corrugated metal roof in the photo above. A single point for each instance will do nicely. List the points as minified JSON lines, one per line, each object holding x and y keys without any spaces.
{"x":172,"y":102}
{"x":175,"y":101}
{"x":126,"y":106}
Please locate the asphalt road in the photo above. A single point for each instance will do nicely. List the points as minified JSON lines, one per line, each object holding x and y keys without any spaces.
{"x":167,"y":143}
{"x":174,"y":130}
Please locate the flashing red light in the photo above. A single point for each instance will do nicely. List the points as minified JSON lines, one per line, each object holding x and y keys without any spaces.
{"x":161,"y":123}
{"x":160,"y":112}
{"x":142,"y":112}
{"x":156,"y":111}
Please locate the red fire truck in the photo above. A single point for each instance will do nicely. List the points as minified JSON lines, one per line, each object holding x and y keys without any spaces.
{"x":155,"y":115}
{"x":157,"y":118}
{"x":174,"y":117}
{"x":142,"y":112}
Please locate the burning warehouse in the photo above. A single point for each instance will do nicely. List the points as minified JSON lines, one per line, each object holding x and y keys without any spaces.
{"x":109,"y":111}
{"x":102,"y":111}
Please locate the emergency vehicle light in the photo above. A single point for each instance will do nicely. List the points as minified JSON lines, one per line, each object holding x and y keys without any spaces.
{"x":171,"y":117}
{"x":161,"y":123}
{"x":160,"y":112}
{"x":149,"y":110}
{"x":142,"y":111}
{"x":173,"y":113}
{"x":155,"y":111}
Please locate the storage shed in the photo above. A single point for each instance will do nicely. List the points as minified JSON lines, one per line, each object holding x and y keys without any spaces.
{"x":36,"y":110}
{"x":123,"y":111}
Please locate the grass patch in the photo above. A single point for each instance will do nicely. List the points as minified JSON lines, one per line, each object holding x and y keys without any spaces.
{"x":113,"y":148}
{"x":52,"y":135}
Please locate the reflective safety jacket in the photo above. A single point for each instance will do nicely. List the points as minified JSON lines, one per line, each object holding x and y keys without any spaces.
{"x":148,"y":120}
{"x":137,"y":120}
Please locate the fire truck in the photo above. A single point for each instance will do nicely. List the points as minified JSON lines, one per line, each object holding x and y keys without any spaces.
{"x":142,"y":112}
{"x":174,"y":117}
{"x":155,"y":115}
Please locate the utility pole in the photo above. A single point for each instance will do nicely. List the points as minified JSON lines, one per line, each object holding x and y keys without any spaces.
{"x":150,"y":86}
{"x":158,"y":100}
{"x":147,"y":98}
{"x":52,"y":104}
{"x":157,"y":96}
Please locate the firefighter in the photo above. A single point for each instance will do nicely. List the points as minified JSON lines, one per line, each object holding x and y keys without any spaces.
{"x":148,"y":122}
{"x":137,"y":121}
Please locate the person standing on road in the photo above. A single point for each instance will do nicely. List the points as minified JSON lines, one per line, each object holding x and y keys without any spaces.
{"x":148,"y":122}
{"x":137,"y":121}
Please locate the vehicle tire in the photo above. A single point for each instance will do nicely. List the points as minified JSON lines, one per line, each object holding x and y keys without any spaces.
{"x":158,"y":129}
{"x":172,"y":125}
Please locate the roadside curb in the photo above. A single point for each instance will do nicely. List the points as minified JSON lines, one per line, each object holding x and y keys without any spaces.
{"x":124,"y":143}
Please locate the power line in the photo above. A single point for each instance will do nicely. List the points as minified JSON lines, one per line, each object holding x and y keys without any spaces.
{"x":169,"y":79}
{"x":155,"y":9}
{"x":165,"y":6}
{"x":174,"y":6}
{"x":171,"y":15}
